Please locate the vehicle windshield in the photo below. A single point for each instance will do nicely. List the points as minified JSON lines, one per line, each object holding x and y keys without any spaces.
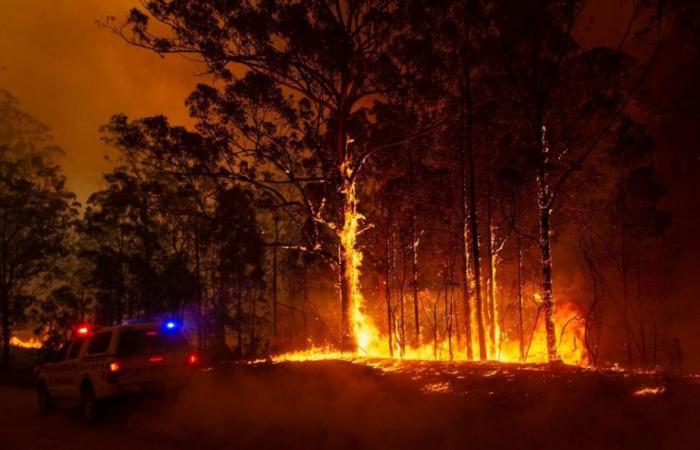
{"x":145,"y":342}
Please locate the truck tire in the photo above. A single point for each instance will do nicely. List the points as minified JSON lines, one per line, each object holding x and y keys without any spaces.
{"x":88,"y":404}
{"x":43,"y":399}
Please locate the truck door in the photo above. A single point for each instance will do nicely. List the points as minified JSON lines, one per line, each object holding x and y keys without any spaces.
{"x":61,"y":376}
{"x":51,"y":372}
{"x":72,"y":368}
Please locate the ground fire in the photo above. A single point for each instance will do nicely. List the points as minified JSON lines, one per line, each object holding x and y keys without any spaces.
{"x":371,"y":344}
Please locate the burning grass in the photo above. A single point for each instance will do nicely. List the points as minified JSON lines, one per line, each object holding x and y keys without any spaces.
{"x":385,"y":403}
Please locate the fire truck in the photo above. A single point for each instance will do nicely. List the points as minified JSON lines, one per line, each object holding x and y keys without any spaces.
{"x":99,"y":363}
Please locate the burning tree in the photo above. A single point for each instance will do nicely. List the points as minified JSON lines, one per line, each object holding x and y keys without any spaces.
{"x":291,"y":107}
{"x":570,"y":99}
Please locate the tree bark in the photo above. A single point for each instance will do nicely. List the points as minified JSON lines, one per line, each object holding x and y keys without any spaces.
{"x":490,"y":273}
{"x":346,"y":235}
{"x":414,"y":278}
{"x":274,"y":283}
{"x":473,"y":216}
{"x":220,"y":322}
{"x":198,"y":271}
{"x":387,"y":282}
{"x":239,"y":322}
{"x":464,"y":231}
{"x":402,"y":305}
{"x":545,"y":204}
{"x":521,"y":334}
{"x":449,"y":303}
{"x":346,"y":246}
{"x":5,"y":305}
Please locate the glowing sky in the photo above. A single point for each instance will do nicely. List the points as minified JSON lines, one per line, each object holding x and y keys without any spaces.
{"x":73,"y":75}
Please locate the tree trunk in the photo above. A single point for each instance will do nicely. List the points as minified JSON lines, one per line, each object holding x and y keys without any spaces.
{"x":305,"y":309}
{"x":435,"y":331}
{"x":239,"y":322}
{"x":349,"y":263}
{"x":473,"y":218}
{"x":198,"y":272}
{"x":402,"y":328}
{"x":220,"y":323}
{"x":5,"y":305}
{"x":464,"y":232}
{"x":490,"y":272}
{"x":521,"y":333}
{"x":449,"y":301}
{"x":253,"y":338}
{"x":346,"y":231}
{"x":274,"y":283}
{"x":545,"y":202}
{"x":292,"y":306}
{"x":402,"y":306}
{"x":387,"y":282}
{"x":414,"y":278}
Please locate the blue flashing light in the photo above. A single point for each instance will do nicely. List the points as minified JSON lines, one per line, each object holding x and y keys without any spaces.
{"x":170,"y":325}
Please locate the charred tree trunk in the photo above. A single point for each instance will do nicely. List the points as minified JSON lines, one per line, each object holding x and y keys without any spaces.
{"x":545,"y":211}
{"x":473,"y":216}
{"x":521,"y":334}
{"x":435,"y":331}
{"x":387,"y":282}
{"x":274,"y":282}
{"x":292,"y":304}
{"x":402,"y":305}
{"x":220,"y":348}
{"x":449,"y":302}
{"x":346,"y":234}
{"x":5,"y":309}
{"x":198,"y":280}
{"x":464,"y":231}
{"x":305,"y":309}
{"x":346,"y":341}
{"x":490,"y":272}
{"x":253,"y":338}
{"x":239,"y":320}
{"x":414,"y":278}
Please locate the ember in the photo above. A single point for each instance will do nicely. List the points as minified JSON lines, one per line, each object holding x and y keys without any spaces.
{"x":648,"y":391}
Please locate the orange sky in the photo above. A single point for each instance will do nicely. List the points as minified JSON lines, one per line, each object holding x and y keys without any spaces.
{"x":73,"y":75}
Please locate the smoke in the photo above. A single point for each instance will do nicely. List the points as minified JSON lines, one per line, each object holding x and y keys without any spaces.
{"x":73,"y":76}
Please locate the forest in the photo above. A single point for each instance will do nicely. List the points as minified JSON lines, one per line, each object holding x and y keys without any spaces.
{"x":450,"y":180}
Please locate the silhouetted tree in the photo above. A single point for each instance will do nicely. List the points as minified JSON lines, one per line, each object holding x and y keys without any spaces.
{"x":37,"y":214}
{"x":294,"y":109}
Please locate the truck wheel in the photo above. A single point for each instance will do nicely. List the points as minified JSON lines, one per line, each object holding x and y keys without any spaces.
{"x":44,"y":400}
{"x":88,"y":404}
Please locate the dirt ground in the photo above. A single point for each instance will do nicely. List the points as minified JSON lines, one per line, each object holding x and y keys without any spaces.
{"x":379,"y":404}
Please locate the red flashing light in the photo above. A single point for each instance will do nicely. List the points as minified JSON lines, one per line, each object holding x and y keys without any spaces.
{"x":193,"y":358}
{"x":83,"y":330}
{"x":155,"y":359}
{"x":114,"y":367}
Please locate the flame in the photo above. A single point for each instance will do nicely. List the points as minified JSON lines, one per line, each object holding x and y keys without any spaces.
{"x":646,"y":391}
{"x":570,"y":328}
{"x":371,"y":344}
{"x":365,"y":333}
{"x":31,"y":343}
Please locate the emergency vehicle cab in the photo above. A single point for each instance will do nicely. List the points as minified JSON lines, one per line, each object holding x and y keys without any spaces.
{"x":112,"y":361}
